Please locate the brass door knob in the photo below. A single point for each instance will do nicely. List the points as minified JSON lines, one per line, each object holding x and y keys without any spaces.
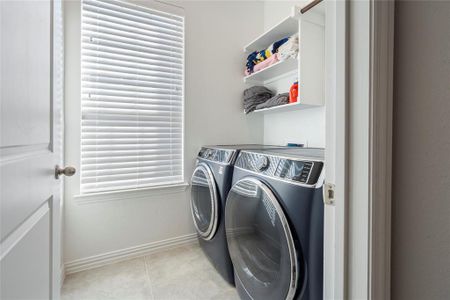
{"x":67,"y":171}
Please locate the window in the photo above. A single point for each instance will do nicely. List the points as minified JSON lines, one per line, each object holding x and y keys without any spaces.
{"x":132,"y":97}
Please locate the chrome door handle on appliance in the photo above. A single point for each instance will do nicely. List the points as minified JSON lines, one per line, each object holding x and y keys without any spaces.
{"x":67,"y":171}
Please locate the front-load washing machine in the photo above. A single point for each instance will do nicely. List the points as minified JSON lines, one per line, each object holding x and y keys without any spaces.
{"x":210,"y":183}
{"x":274,"y":224}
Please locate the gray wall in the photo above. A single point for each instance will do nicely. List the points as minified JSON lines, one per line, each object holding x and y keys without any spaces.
{"x":421,"y":157}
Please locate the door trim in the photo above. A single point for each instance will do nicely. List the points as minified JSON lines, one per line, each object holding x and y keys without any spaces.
{"x":381,"y":101}
{"x":370,"y":65}
{"x":336,"y":218}
{"x":212,"y":228}
{"x":359,"y":267}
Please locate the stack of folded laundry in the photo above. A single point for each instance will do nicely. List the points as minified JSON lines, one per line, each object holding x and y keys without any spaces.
{"x":278,"y":51}
{"x":254,"y":96}
{"x":276,"y":100}
{"x":289,"y":49}
{"x":259,"y":97}
{"x":257,"y":57}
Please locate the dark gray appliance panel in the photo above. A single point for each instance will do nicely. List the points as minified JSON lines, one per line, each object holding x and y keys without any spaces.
{"x":260,"y":242}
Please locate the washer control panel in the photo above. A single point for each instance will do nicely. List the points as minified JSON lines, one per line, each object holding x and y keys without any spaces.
{"x":296,"y":170}
{"x":263,"y":163}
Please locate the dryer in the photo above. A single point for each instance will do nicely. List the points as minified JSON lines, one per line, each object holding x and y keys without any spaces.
{"x":210,"y":183}
{"x":274,"y":224}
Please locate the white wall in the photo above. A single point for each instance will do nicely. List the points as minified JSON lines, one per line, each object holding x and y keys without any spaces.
{"x":421,"y":162}
{"x":215,"y":34}
{"x":303,"y":126}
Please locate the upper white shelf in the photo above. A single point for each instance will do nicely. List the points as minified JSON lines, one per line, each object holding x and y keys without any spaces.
{"x":273,"y":71}
{"x":285,"y":28}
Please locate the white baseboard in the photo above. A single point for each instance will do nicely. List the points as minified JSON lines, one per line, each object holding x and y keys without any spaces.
{"x":127,"y":253}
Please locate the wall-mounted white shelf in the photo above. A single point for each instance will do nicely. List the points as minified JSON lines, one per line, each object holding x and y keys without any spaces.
{"x":285,"y":28}
{"x":273,"y":71}
{"x":308,"y":69}
{"x":286,"y":107}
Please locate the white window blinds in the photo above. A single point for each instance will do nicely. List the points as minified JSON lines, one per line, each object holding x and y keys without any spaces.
{"x":132,"y":97}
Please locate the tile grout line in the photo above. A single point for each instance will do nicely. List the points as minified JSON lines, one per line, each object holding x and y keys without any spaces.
{"x":147,"y":272}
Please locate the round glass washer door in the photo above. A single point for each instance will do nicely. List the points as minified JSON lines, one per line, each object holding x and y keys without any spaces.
{"x":260,"y":242}
{"x":204,"y":201}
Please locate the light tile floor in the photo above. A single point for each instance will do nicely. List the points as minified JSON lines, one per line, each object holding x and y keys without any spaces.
{"x":182,"y":273}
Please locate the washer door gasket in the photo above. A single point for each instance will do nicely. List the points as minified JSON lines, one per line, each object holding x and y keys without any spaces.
{"x":204,"y":201}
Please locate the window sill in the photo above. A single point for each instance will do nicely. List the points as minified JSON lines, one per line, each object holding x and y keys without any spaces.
{"x":131,"y":194}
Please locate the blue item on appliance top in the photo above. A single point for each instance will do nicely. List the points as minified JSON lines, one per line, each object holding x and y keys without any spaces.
{"x":295,"y":145}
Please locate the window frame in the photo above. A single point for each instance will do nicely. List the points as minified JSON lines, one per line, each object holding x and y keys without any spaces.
{"x":153,"y":189}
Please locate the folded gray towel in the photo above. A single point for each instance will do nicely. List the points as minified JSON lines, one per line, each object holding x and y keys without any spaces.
{"x":256,"y":90}
{"x":254,"y":96}
{"x":279,"y":99}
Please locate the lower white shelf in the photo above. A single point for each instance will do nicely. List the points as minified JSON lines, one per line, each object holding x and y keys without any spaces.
{"x":286,"y":107}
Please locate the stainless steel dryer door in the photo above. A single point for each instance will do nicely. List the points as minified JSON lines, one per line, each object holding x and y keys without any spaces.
{"x":204,"y":201}
{"x":260,"y":242}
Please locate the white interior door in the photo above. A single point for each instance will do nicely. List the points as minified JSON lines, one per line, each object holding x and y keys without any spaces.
{"x":29,"y":143}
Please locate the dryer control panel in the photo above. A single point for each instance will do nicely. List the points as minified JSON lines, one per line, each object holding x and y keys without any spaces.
{"x":217,"y":155}
{"x":290,"y":169}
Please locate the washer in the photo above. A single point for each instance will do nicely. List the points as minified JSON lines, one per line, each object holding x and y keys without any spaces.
{"x":274,"y":224}
{"x":210,"y":183}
